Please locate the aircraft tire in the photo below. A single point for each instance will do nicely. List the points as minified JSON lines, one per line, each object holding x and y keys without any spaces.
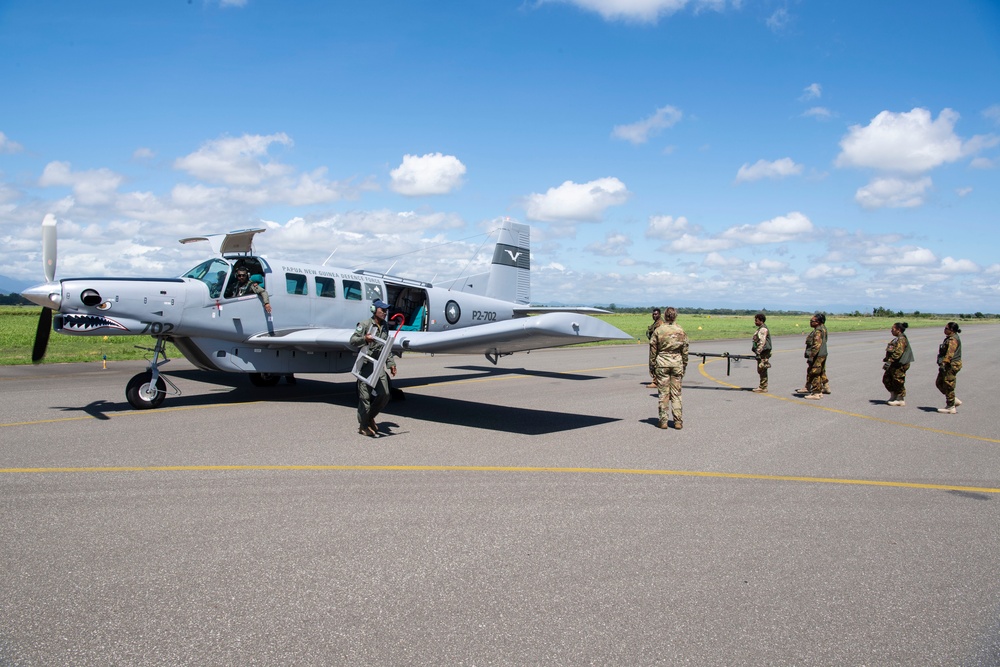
{"x":264,"y":379}
{"x":137,"y":391}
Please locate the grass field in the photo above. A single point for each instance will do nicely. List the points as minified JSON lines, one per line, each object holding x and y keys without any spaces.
{"x":18,"y":325}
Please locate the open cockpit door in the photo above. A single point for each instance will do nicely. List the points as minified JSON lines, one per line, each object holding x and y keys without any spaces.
{"x":235,"y":243}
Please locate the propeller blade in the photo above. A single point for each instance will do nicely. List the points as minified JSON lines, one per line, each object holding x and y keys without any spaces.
{"x":42,"y":335}
{"x":49,"y":247}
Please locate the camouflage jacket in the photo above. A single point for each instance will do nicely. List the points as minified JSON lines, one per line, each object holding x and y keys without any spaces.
{"x":668,"y":347}
{"x":950,"y":350}
{"x":898,"y":351}
{"x":652,"y":327}
{"x":761,"y":341}
{"x":816,"y":343}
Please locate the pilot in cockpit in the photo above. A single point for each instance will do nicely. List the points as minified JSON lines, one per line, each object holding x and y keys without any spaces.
{"x":245,"y":286}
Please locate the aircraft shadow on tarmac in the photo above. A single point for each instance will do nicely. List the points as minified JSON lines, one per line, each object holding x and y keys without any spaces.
{"x":482,"y":371}
{"x":491,"y":417}
{"x":233,"y":389}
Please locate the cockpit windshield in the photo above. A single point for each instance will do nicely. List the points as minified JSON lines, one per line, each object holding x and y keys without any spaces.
{"x":213,"y":273}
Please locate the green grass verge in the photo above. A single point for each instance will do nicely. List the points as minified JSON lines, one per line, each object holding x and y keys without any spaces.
{"x":18,"y":325}
{"x":17,"y":336}
{"x":717,"y":327}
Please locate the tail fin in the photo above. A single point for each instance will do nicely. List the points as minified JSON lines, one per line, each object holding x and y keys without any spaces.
{"x":510,"y":272}
{"x":509,"y":277}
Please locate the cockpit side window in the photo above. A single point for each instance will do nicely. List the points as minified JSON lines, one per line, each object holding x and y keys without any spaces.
{"x":254,"y":266}
{"x":211,"y":272}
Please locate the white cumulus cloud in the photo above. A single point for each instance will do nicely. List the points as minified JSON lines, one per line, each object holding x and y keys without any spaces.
{"x":909,"y":142}
{"x":430,"y":174}
{"x":786,"y":166}
{"x":893,"y":193}
{"x":952,"y":265}
{"x":640,"y":131}
{"x":94,"y":187}
{"x":693,"y":244}
{"x":9,"y":146}
{"x":812,"y":92}
{"x":666,"y":227}
{"x":776,"y":230}
{"x":576,"y":201}
{"x":236,"y":160}
{"x":642,"y":11}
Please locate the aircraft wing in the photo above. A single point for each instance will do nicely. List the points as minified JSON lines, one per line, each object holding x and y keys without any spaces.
{"x":516,"y":335}
{"x":522,"y":311}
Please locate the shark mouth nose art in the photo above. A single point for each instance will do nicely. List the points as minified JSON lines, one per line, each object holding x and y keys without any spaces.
{"x":88,"y":323}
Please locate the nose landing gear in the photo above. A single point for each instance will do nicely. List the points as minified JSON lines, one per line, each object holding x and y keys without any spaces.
{"x":147,"y":390}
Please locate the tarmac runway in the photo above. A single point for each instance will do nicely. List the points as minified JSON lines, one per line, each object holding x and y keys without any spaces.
{"x":529,"y":513}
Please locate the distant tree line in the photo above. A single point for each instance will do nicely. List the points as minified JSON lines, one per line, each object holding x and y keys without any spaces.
{"x":876,"y":312}
{"x":885,"y":312}
{"x":703,"y":311}
{"x":13,"y":299}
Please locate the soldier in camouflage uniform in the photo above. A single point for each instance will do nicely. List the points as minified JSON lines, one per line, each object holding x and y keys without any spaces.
{"x":761,"y":347}
{"x":657,"y":321}
{"x":898,"y":357}
{"x":371,"y":400}
{"x":949,"y":361}
{"x":668,"y":359}
{"x":816,"y":381}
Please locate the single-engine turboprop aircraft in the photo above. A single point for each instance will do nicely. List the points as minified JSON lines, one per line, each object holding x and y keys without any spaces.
{"x":315,"y":309}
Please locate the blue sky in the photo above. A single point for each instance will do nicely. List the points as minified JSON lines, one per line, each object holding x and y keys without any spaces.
{"x":745,"y":154}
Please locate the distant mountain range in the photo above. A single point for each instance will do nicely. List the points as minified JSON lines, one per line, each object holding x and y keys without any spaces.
{"x":12,"y":285}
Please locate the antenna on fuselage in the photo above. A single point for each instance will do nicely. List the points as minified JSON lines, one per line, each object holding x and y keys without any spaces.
{"x":331,"y":255}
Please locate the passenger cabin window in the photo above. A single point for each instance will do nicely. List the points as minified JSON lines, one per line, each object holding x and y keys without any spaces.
{"x":326,"y":287}
{"x":295,"y":283}
{"x":352,"y":290}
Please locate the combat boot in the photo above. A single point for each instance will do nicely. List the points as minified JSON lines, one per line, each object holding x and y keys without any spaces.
{"x":950,"y":410}
{"x":814,"y":397}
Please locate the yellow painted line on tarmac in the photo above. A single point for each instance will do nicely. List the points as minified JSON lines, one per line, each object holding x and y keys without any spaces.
{"x":969,"y":436}
{"x":514,"y":469}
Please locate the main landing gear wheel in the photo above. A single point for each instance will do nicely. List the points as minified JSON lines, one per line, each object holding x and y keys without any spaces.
{"x":142,"y":394}
{"x":264,"y":379}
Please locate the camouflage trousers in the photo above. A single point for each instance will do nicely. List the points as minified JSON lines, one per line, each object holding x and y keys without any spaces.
{"x":816,"y":381}
{"x":894,"y":378}
{"x":763,"y":363}
{"x":371,"y":400}
{"x":668,"y":383}
{"x":946,"y":380}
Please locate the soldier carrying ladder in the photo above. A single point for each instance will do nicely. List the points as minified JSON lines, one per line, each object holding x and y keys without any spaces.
{"x":375,"y":355}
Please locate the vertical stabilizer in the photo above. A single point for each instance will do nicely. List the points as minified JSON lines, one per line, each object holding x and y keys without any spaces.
{"x":510,"y":272}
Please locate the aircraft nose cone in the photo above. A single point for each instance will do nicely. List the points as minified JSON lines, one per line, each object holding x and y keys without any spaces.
{"x":47,"y":295}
